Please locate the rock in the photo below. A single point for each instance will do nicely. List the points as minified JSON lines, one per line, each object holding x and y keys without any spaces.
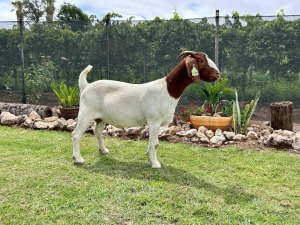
{"x":265,"y":132}
{"x":28,"y":123}
{"x":229,"y":135}
{"x":34,"y":116}
{"x":20,"y":119}
{"x":186,"y":126}
{"x":296,"y":141}
{"x":92,"y":126}
{"x":40,"y":125}
{"x":52,"y":125}
{"x":278,"y":140}
{"x":217,"y":141}
{"x":55,"y":111}
{"x":209,"y":134}
{"x":251,"y":135}
{"x":286,"y":133}
{"x":51,"y":119}
{"x":229,"y":142}
{"x":46,"y":125}
{"x":71,"y":124}
{"x":115,"y":131}
{"x":200,"y":135}
{"x":281,"y":138}
{"x":296,"y":129}
{"x":168,"y":131}
{"x":62,"y":123}
{"x":271,"y":130}
{"x":239,"y":137}
{"x":202,"y":129}
{"x":204,"y":140}
{"x":219,"y":132}
{"x":132,"y":131}
{"x":19,"y":109}
{"x":8,"y":118}
{"x":254,"y":127}
{"x":191,"y":133}
{"x":195,"y":139}
{"x":260,"y":133}
{"x":181,"y":133}
{"x":145,"y":132}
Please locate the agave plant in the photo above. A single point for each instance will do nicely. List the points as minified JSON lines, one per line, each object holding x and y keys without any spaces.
{"x":241,"y":117}
{"x":67,"y":96}
{"x":213,"y":95}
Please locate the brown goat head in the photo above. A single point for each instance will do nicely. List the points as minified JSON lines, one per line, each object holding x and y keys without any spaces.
{"x":199,"y":66}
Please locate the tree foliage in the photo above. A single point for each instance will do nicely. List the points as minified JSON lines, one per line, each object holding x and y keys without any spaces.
{"x":256,"y":53}
{"x":34,"y":10}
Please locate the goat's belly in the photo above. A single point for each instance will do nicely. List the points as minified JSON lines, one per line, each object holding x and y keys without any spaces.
{"x":124,"y":121}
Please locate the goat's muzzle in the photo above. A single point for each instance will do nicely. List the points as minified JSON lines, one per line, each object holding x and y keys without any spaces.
{"x":214,"y":76}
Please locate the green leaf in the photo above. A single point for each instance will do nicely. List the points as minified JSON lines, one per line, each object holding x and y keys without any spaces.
{"x":67,"y":96}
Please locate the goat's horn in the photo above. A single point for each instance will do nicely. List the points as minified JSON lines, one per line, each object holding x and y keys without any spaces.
{"x":185,"y":54}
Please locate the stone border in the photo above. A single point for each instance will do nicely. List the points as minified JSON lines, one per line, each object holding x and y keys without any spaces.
{"x":260,"y":134}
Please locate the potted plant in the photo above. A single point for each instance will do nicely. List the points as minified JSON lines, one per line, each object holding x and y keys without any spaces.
{"x":214,"y":119}
{"x":185,"y":112}
{"x":68,"y":98}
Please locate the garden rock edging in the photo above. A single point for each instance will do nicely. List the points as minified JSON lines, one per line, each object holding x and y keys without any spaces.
{"x":258,"y":134}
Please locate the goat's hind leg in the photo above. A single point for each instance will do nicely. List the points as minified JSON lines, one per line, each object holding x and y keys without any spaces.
{"x":98,"y":133}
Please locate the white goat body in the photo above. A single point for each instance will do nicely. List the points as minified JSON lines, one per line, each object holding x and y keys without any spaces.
{"x":127,"y":105}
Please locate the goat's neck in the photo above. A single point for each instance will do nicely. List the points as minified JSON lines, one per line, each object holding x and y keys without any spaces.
{"x":177,"y":80}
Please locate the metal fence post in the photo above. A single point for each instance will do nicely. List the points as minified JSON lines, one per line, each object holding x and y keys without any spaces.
{"x":217,"y":39}
{"x":21,"y":25}
{"x":107,"y":22}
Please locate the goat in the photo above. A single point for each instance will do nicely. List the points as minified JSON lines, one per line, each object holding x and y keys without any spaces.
{"x":128,"y":105}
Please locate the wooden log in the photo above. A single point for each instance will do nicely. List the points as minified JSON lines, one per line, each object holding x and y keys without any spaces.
{"x":282,"y":115}
{"x":25,"y":109}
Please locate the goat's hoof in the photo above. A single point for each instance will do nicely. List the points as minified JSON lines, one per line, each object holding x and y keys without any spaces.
{"x":104,"y":151}
{"x":78,"y":160}
{"x":156,"y":165}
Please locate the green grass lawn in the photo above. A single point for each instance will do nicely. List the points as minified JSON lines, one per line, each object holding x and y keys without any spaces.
{"x":39,"y":184}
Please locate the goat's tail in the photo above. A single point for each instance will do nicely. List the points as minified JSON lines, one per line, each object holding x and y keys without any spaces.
{"x":82,"y":82}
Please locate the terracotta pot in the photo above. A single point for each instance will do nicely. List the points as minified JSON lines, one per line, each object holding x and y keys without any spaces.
{"x":69,"y":113}
{"x":211,"y":122}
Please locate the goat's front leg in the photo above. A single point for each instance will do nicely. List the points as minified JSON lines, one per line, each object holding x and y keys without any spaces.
{"x":153,"y":144}
{"x":76,"y":137}
{"x":82,"y":125}
{"x":98,"y":133}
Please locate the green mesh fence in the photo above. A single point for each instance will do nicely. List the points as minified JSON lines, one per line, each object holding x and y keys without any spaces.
{"x":255,"y":53}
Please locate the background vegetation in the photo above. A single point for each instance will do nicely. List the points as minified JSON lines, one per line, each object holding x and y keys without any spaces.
{"x":256,"y":52}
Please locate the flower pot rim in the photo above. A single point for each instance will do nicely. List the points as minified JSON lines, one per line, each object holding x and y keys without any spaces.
{"x":212,"y":116}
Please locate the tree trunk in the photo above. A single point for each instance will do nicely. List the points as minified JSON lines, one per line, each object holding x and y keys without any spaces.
{"x":282,"y":115}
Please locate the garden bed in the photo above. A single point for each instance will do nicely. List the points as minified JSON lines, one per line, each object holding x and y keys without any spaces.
{"x":258,"y":133}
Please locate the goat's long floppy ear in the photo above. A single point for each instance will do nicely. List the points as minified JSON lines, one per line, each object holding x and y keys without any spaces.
{"x":192,"y":69}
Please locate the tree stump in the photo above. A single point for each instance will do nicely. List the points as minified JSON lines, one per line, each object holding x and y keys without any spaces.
{"x":282,"y":115}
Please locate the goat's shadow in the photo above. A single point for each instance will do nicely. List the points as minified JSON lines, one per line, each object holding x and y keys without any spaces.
{"x":143,"y":171}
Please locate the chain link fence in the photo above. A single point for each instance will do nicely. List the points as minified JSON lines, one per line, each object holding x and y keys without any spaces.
{"x":254,"y":52}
